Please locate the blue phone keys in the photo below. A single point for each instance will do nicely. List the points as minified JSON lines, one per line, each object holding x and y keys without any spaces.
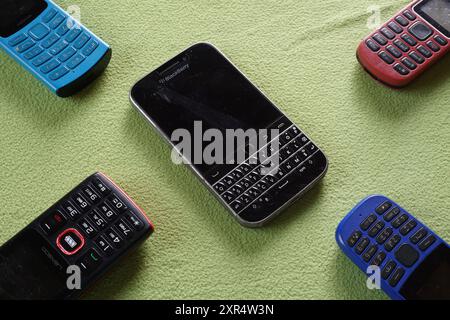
{"x":414,"y":262}
{"x":55,"y":48}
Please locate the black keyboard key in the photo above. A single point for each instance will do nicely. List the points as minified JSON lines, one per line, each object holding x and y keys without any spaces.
{"x":433,"y":46}
{"x":254,"y":192}
{"x":407,"y":228}
{"x":262,"y":186}
{"x":354,"y":238}
{"x":87,"y":227}
{"x":401,"y":69}
{"x":106,"y":211}
{"x":391,"y":214}
{"x":409,"y":64}
{"x":408,"y":39}
{"x":124,"y":229}
{"x":399,"y":221}
{"x":370,"y":253}
{"x":407,"y":255}
{"x":408,"y":14}
{"x":424,"y":51}
{"x":362,"y":245}
{"x":401,"y":45}
{"x":237,"y":190}
{"x":117,"y":203}
{"x":114,"y":238}
{"x":220,"y":187}
{"x":100,"y":187}
{"x":379,"y":259}
{"x":394,"y":51}
{"x":395,"y":27}
{"x":245,"y":168}
{"x":134,"y":221}
{"x":386,"y":58}
{"x":401,"y":20}
{"x":421,"y":31}
{"x":98,"y":221}
{"x":237,"y":206}
{"x":383,"y":236}
{"x":428,"y":242}
{"x":388,"y":33}
{"x":380,"y":39}
{"x":376,"y":229}
{"x":228,"y":197}
{"x":388,"y":269}
{"x":440,"y":40}
{"x":81,"y":202}
{"x":104,"y":246}
{"x":237,"y":174}
{"x":71,"y":211}
{"x":246,"y":199}
{"x":270,"y":180}
{"x":372,"y":45}
{"x":368,"y":222}
{"x":90,"y":194}
{"x":419,"y":235}
{"x":383,"y":207}
{"x":228,"y":181}
{"x":417,"y":58}
{"x":246,"y":183}
{"x":392,"y":243}
{"x":396,"y":277}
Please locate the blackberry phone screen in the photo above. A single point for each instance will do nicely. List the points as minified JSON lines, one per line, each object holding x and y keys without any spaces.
{"x":15,"y":14}
{"x":202,"y":85}
{"x":437,"y":12}
{"x":31,"y":269}
{"x":431,"y":280}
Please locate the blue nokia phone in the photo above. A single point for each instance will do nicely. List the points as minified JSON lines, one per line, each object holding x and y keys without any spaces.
{"x":414,"y":262}
{"x":55,"y":48}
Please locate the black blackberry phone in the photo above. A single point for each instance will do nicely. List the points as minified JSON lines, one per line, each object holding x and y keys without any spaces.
{"x":73,"y":243}
{"x":201,"y":85}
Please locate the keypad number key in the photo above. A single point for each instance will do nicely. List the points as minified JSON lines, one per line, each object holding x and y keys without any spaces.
{"x":71,"y":210}
{"x":117,"y":203}
{"x":124,"y":229}
{"x":104,"y":246}
{"x":107,"y":212}
{"x":97,"y":219}
{"x":81,"y":202}
{"x":354,"y":238}
{"x":89,"y":193}
{"x":88,"y":229}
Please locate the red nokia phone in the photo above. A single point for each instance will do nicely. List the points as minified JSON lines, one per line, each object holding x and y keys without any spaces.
{"x":408,"y":44}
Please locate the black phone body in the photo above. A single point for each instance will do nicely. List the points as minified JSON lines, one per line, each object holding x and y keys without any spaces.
{"x":37,"y":263}
{"x":201,"y":84}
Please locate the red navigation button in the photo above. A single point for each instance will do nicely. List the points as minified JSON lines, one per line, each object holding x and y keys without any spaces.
{"x":70,"y":241}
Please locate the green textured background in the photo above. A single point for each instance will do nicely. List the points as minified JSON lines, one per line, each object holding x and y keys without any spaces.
{"x":302,"y":54}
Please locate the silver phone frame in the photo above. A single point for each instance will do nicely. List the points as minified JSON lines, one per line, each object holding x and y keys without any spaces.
{"x":199,"y":175}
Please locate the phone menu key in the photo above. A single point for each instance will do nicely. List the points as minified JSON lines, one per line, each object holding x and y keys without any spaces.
{"x":114,"y":238}
{"x":104,"y":246}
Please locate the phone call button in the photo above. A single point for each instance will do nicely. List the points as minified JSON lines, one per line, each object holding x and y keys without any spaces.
{"x":70,"y":241}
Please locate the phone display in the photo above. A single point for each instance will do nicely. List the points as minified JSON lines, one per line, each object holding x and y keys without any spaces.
{"x":437,"y":12}
{"x":14,"y":14}
{"x":202,"y":85}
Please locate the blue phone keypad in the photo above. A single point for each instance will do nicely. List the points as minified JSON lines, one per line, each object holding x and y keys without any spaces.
{"x":55,"y":44}
{"x":390,"y":239}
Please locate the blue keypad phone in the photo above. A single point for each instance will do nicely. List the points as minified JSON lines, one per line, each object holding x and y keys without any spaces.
{"x":55,"y":48}
{"x":414,"y":262}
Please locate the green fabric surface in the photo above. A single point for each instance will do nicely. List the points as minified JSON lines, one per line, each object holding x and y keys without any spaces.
{"x":302,"y":55}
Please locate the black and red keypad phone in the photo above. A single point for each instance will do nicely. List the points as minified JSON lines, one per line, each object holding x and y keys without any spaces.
{"x":90,"y":228}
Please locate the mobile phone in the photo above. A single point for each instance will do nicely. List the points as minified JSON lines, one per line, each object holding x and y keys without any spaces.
{"x":413,"y":261}
{"x":59,"y":51}
{"x":408,"y":44}
{"x":201,"y":84}
{"x":82,"y":235}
